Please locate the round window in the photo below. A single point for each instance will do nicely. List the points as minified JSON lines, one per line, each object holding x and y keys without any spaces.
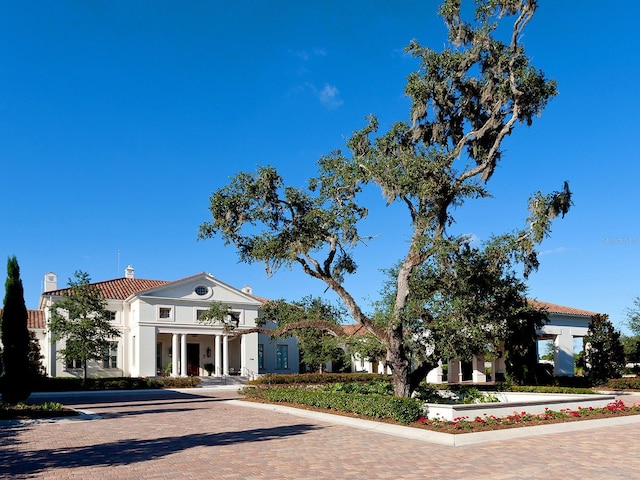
{"x":201,"y":290}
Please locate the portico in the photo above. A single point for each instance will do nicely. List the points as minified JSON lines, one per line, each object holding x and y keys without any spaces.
{"x":181,"y":354}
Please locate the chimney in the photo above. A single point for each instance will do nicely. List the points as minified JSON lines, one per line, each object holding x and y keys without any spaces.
{"x":128,"y":272}
{"x":50,"y":282}
{"x":247,"y":289}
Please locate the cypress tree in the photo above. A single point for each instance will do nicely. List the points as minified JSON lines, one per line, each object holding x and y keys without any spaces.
{"x":15,"y":338}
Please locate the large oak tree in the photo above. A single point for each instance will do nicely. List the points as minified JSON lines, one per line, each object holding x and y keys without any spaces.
{"x":465,"y":100}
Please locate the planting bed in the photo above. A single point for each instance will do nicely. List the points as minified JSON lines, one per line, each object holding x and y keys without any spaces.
{"x":511,"y":402}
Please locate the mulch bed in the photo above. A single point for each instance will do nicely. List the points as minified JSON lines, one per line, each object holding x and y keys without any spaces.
{"x":35,"y":413}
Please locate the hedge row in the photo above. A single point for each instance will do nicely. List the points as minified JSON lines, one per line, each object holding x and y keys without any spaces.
{"x":46,"y":384}
{"x":316,"y":378}
{"x":547,"y":389}
{"x":403,"y":410}
{"x":629,"y":383}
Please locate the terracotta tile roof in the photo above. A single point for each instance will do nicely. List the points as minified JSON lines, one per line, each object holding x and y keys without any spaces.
{"x":35,"y":318}
{"x":262,"y":300}
{"x":356,"y":329}
{"x":560,"y":309}
{"x":119,"y":288}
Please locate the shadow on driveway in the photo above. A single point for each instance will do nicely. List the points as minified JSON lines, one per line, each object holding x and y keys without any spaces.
{"x":126,"y":452}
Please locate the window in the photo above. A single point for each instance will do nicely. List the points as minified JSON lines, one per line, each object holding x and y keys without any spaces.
{"x":235,"y":318}
{"x":164,"y":313}
{"x":111,"y":316}
{"x":282,"y":357}
{"x":110,"y":356}
{"x":199,"y":313}
{"x":261,"y":356}
{"x":201,"y":290}
{"x":77,"y":363}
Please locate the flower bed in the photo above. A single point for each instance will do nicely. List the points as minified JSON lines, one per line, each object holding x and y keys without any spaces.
{"x":509,"y":402}
{"x":466,"y":424}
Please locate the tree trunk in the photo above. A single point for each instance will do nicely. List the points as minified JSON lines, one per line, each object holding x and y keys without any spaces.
{"x":398,"y":361}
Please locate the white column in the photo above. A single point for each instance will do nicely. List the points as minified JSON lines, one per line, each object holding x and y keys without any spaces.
{"x":183,"y":355}
{"x":563,"y":357}
{"x":243,"y":355}
{"x":175,"y":351}
{"x":218,"y":355}
{"x":225,"y":355}
{"x":478,"y":369}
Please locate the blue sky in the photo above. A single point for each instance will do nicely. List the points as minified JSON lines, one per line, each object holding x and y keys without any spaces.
{"x":119,"y":118}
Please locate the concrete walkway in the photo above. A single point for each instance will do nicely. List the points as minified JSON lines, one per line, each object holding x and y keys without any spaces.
{"x":200,"y":434}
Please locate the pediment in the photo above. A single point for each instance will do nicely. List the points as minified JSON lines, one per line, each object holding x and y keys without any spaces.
{"x":200,"y":288}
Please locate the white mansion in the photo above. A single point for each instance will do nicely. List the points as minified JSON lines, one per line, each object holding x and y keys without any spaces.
{"x":161,"y":334}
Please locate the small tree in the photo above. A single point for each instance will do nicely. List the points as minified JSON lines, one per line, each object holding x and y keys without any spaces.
{"x":603,"y":351}
{"x":632,"y":343}
{"x":633,"y":315}
{"x":316,"y":326}
{"x":36,"y":369}
{"x":521,"y":349}
{"x":81,"y":319}
{"x":16,"y":384}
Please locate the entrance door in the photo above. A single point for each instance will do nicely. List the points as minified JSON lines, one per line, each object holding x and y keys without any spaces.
{"x":193,"y":359}
{"x":467,"y":371}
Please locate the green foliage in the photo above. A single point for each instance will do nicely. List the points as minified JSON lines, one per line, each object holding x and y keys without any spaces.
{"x":316,"y":325}
{"x":23,"y":410}
{"x":403,"y":410}
{"x":603,"y":351}
{"x":627,"y":383}
{"x":218,"y":313}
{"x":179,"y":382}
{"x":548,"y":389}
{"x":633,"y":317}
{"x":36,"y":369}
{"x":367,"y":347}
{"x":466,"y":424}
{"x":631,"y":346}
{"x":520,"y":344}
{"x":16,"y":379}
{"x":316,"y":378}
{"x":80,"y":318}
{"x":632,"y":343}
{"x":452,"y":394}
{"x":465,"y":100}
{"x":68,"y":384}
{"x":378,"y":388}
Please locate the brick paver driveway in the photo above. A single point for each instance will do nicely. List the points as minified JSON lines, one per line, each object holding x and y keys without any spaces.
{"x":196,"y":435}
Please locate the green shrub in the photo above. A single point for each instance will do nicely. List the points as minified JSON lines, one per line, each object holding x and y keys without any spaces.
{"x":75,"y":384}
{"x":23,"y":410}
{"x":317,"y":378}
{"x":548,"y":389}
{"x":403,"y":410}
{"x":380,"y":388}
{"x":179,"y":382}
{"x":628,"y":383}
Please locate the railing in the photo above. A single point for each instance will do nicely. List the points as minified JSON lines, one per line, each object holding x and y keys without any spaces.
{"x":250,"y":374}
